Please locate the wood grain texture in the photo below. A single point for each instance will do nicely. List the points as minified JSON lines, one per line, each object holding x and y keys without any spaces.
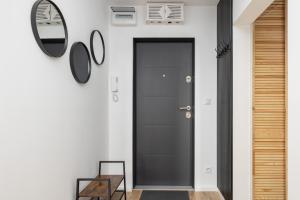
{"x":136,"y":194}
{"x":269,"y":104}
{"x":100,"y":189}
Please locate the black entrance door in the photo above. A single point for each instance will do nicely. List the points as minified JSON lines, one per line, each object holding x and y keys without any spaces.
{"x":164,"y":112}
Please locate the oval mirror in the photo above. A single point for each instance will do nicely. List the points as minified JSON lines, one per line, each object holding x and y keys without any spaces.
{"x":97,"y":47}
{"x":49,"y":28}
{"x":80,"y":62}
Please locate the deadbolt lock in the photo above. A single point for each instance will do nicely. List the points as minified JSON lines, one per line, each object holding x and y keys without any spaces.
{"x":188,"y":115}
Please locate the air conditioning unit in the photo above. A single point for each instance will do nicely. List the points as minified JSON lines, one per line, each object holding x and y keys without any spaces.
{"x":123,"y":16}
{"x":168,"y":13}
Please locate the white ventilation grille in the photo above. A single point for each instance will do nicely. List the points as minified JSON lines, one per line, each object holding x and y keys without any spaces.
{"x":171,"y":13}
{"x":174,"y":12}
{"x":47,"y":14}
{"x":155,"y":13}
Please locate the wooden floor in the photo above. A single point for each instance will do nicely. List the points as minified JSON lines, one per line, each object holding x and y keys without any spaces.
{"x":136,"y":194}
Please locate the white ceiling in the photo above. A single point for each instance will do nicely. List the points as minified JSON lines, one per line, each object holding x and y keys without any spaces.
{"x":186,"y":2}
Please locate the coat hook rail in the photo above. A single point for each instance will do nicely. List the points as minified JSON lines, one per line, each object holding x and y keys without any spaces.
{"x":223,"y":48}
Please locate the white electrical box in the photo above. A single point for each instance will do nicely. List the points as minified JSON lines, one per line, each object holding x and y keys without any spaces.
{"x":123,"y":16}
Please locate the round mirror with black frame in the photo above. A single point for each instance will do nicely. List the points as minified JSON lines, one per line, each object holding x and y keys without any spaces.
{"x":49,"y":28}
{"x":97,"y":47}
{"x":80,"y":62}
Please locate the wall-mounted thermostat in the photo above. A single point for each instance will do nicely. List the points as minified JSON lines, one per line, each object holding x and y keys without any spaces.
{"x":123,"y":16}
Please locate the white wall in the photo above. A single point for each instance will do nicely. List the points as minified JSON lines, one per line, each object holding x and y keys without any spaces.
{"x":242,"y":112}
{"x":242,"y":135}
{"x":242,"y":99}
{"x":246,"y":11}
{"x":293,"y":99}
{"x":52,"y":130}
{"x":200,"y":23}
{"x":239,"y":6}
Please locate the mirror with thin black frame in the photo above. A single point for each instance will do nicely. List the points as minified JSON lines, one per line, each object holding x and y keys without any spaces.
{"x":49,"y":28}
{"x":97,"y":47}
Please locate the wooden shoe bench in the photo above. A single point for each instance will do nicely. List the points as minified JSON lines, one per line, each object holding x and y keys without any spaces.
{"x":103,"y":187}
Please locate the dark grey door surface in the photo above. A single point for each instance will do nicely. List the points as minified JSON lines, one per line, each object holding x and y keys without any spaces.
{"x":164,"y":112}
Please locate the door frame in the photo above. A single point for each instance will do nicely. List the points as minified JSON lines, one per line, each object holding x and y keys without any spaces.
{"x":161,"y":40}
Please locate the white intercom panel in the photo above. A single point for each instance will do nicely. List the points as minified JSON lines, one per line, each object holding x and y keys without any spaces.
{"x":114,"y":84}
{"x":115,"y":88}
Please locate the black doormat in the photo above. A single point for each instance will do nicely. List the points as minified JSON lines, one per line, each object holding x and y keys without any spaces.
{"x":165,"y":195}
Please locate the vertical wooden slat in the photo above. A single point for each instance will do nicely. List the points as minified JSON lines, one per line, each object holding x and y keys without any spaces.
{"x":269,"y":104}
{"x":286,"y":98}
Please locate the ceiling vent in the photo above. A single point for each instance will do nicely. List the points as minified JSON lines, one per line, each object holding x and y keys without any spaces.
{"x":123,"y":16}
{"x":169,"y":13}
{"x":47,"y":14}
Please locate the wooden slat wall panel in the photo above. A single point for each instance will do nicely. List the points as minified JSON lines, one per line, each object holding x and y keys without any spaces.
{"x":269,"y":104}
